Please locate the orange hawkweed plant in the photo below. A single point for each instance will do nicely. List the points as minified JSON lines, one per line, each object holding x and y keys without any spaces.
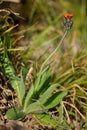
{"x":40,"y":97}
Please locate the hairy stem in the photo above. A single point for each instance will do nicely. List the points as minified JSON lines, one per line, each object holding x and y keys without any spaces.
{"x":50,"y":56}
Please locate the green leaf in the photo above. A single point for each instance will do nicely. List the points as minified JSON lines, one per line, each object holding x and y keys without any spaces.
{"x":47,"y":120}
{"x":47,"y":93}
{"x":10,"y":73}
{"x":43,"y":81}
{"x":16,"y":83}
{"x":35,"y":107}
{"x":28,"y":98}
{"x":55,"y":99}
{"x":38,"y":107}
{"x":24,"y":72}
{"x":14,"y":114}
{"x":21,"y":89}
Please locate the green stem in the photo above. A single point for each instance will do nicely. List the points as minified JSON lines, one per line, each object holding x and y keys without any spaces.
{"x":61,"y":41}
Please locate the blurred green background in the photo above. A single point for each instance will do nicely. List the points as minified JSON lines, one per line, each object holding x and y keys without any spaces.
{"x":42,"y":27}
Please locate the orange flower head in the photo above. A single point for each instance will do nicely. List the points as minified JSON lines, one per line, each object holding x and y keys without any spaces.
{"x":68,"y":22}
{"x":68,"y":16}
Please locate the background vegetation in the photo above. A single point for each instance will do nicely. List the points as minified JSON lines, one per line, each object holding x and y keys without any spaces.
{"x":40,"y":28}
